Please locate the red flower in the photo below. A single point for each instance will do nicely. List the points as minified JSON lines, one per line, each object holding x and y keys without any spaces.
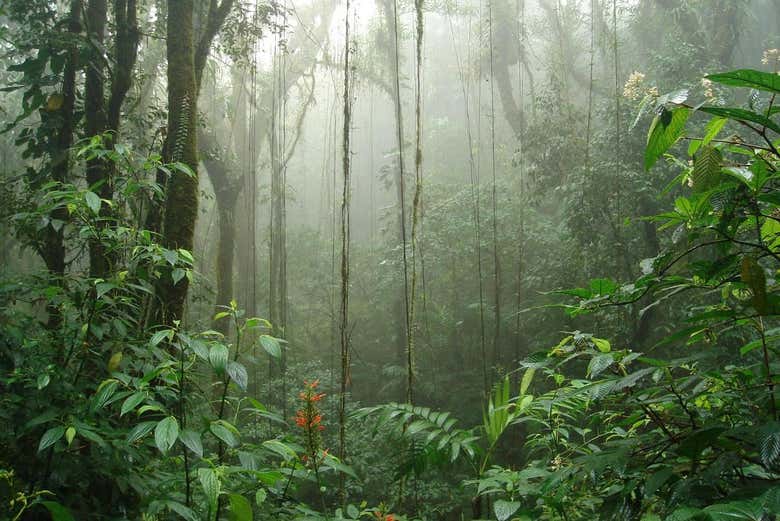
{"x":309,"y":419}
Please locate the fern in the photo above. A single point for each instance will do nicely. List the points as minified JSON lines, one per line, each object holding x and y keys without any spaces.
{"x":182,"y":129}
{"x":770,"y":450}
{"x":427,"y":429}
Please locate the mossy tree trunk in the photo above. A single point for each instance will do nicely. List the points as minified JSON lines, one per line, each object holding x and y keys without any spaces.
{"x":102,"y":116}
{"x":96,"y":123}
{"x":186,"y":61}
{"x":181,"y":197}
{"x":53,"y":243}
{"x":227,"y":187}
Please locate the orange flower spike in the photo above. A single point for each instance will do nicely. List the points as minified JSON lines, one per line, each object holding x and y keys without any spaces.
{"x":389,"y":517}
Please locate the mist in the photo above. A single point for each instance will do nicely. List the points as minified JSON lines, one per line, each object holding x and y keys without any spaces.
{"x":258,"y":257}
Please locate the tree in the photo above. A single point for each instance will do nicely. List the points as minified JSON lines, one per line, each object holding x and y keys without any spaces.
{"x":103,"y":116}
{"x":186,"y":61}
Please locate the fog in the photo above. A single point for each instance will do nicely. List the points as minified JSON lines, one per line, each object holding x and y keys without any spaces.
{"x":417,"y":201}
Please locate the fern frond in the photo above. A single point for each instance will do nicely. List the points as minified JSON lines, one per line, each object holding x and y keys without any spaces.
{"x":428,"y":430}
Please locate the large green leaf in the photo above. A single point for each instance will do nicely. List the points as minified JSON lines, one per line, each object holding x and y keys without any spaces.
{"x":238,"y":374}
{"x":165,"y":433}
{"x":51,"y":437}
{"x":334,"y":463}
{"x":280,"y":448}
{"x":183,"y":511}
{"x":737,"y":511}
{"x":105,"y":391}
{"x":218,"y":357}
{"x":224,"y":431}
{"x":713,"y":129}
{"x":271,"y":345}
{"x":210,"y":483}
{"x":666,"y":129}
{"x":598,"y":364}
{"x":240,"y":508}
{"x":528,"y":377}
{"x":131,"y":402}
{"x":505,"y":509}
{"x":748,"y":78}
{"x":139,"y":431}
{"x":191,"y":440}
{"x":93,"y":201}
{"x":742,"y":115}
{"x":57,"y":511}
{"x":706,"y":168}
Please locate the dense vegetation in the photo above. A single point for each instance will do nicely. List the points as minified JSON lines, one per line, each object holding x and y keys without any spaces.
{"x":391,"y":260}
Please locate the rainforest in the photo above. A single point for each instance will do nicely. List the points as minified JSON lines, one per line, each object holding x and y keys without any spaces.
{"x":390,"y":260}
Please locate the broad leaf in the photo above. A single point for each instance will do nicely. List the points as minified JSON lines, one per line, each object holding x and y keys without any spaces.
{"x":742,"y":115}
{"x":139,"y":431}
{"x":166,"y":433}
{"x":706,"y":168}
{"x":57,"y":511}
{"x":191,"y":440}
{"x":240,"y":508}
{"x":221,"y":430}
{"x":238,"y":374}
{"x":666,"y":129}
{"x":218,"y":357}
{"x":748,"y":78}
{"x":93,"y":201}
{"x":131,"y":402}
{"x":505,"y":509}
{"x":271,"y":345}
{"x":105,"y":391}
{"x":51,"y":437}
{"x":210,"y":483}
{"x":713,"y":129}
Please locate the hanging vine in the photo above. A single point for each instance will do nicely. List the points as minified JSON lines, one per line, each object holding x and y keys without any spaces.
{"x":520,"y":152}
{"x":475,"y":195}
{"x":418,"y":187}
{"x":345,"y":208}
{"x":494,"y":201}
{"x":401,"y":175}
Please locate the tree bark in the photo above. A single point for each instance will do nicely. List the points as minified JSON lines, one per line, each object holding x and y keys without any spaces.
{"x":226,"y":191}
{"x":53,"y":247}
{"x":96,"y":124}
{"x":186,"y":62}
{"x":102,"y":117}
{"x":181,"y":197}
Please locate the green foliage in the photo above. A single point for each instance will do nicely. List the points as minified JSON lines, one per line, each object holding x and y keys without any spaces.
{"x":666,"y":129}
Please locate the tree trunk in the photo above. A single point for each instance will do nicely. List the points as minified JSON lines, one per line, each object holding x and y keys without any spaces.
{"x":181,"y":202}
{"x":53,"y":248}
{"x":226,"y":190}
{"x":186,"y":62}
{"x":96,"y":122}
{"x":100,"y":173}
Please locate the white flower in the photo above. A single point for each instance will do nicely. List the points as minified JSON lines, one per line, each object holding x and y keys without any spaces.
{"x":709,"y":92}
{"x":771,"y":56}
{"x":633,"y":88}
